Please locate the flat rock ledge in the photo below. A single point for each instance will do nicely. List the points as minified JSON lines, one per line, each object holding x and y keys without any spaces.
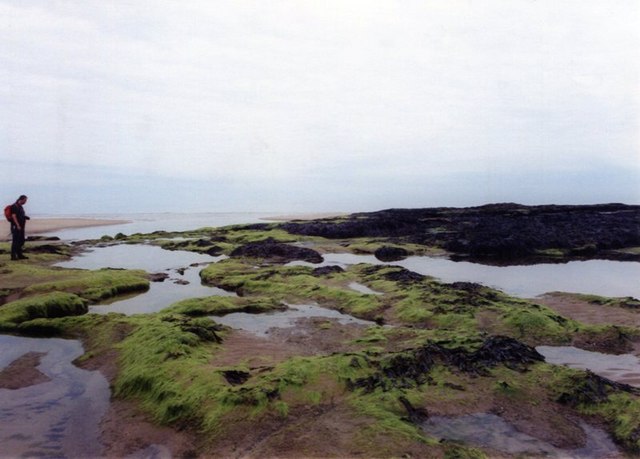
{"x":276,"y":252}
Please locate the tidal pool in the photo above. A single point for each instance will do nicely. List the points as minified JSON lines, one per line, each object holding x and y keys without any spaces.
{"x":57,"y":418}
{"x":623,"y":368}
{"x":260,"y":324}
{"x":491,"y":431}
{"x":363,"y":289}
{"x":183,"y":269}
{"x":598,"y":277}
{"x":135,"y":256}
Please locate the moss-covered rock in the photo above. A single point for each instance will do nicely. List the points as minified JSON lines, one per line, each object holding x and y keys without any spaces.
{"x":49,"y":305}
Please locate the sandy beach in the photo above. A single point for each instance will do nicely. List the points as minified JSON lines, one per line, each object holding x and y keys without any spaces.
{"x":37,"y":226}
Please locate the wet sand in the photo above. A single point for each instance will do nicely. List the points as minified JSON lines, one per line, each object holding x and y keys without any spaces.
{"x":37,"y":226}
{"x":23,"y":372}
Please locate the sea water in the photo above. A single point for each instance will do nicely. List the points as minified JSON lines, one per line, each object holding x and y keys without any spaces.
{"x":150,"y":222}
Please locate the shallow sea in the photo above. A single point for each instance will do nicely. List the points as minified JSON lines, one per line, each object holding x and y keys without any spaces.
{"x":149,"y":222}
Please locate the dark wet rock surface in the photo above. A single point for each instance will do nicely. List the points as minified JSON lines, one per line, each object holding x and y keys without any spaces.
{"x":48,"y":248}
{"x":391,"y":253}
{"x":411,"y":368}
{"x":327,"y":270}
{"x":277,"y":252}
{"x":158,"y":277}
{"x":400,"y":275}
{"x":495,"y":231}
{"x":236,"y":377}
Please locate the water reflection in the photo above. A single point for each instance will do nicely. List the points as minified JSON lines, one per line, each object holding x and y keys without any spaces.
{"x":623,"y":368}
{"x":599,"y":277}
{"x":58,"y":418}
{"x":179,"y":286}
{"x":260,"y":324}
{"x":183,"y":269}
{"x":491,"y":431}
{"x":360,"y":288}
{"x":150,"y":222}
{"x":136,"y":256}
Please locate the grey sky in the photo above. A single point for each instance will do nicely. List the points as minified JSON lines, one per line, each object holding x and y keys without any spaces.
{"x":309,"y":105}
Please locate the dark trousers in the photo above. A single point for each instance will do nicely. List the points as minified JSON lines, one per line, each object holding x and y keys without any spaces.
{"x":17,"y":241}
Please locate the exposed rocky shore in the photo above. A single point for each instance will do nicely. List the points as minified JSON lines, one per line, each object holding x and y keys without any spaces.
{"x":501,"y":232}
{"x":187,"y":385}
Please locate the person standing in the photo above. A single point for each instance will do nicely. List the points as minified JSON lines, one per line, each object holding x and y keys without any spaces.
{"x":18,"y":222}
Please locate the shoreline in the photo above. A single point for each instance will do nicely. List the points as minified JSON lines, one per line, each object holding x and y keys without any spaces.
{"x":38,"y":226}
{"x":305,"y":216}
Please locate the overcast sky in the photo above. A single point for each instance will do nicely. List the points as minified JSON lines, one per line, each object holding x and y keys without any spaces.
{"x":318,"y":105}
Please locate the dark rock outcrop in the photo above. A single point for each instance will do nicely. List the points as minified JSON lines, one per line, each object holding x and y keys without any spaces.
{"x":327,"y":270}
{"x":49,"y":248}
{"x":404,"y":276}
{"x":214,"y":251}
{"x":387,"y":253}
{"x":158,"y":277}
{"x":276,"y":252}
{"x":409,"y":368}
{"x":495,"y":231}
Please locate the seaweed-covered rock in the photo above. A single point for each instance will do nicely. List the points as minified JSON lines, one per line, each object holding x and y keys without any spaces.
{"x":236,"y":377}
{"x":387,"y":253}
{"x":276,"y":252}
{"x":415,"y":415}
{"x":592,"y":389}
{"x":404,"y":276}
{"x":495,"y":231}
{"x":57,"y":249}
{"x":327,"y":270}
{"x":410,"y":368}
{"x":214,"y":251}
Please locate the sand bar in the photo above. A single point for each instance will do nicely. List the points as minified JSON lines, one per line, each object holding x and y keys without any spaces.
{"x":37,"y":226}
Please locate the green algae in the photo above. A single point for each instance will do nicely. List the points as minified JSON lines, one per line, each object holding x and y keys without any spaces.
{"x":288,"y":283}
{"x":157,"y":360}
{"x":49,"y":305}
{"x":165,"y":358}
{"x":221,"y":305}
{"x":421,"y":301}
{"x":216,"y":241}
{"x":617,"y":405}
{"x":39,"y":292}
{"x":95,"y":285}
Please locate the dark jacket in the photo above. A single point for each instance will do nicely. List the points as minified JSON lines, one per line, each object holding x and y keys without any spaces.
{"x":18,"y":210}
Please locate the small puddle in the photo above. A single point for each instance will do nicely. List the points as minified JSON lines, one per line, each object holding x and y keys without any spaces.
{"x":57,"y":418}
{"x":363,"y":289}
{"x":260,"y":324}
{"x":183,"y":269}
{"x":623,"y":368}
{"x":491,"y":431}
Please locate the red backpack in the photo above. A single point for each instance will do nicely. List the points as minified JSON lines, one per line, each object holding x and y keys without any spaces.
{"x":8,"y":213}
